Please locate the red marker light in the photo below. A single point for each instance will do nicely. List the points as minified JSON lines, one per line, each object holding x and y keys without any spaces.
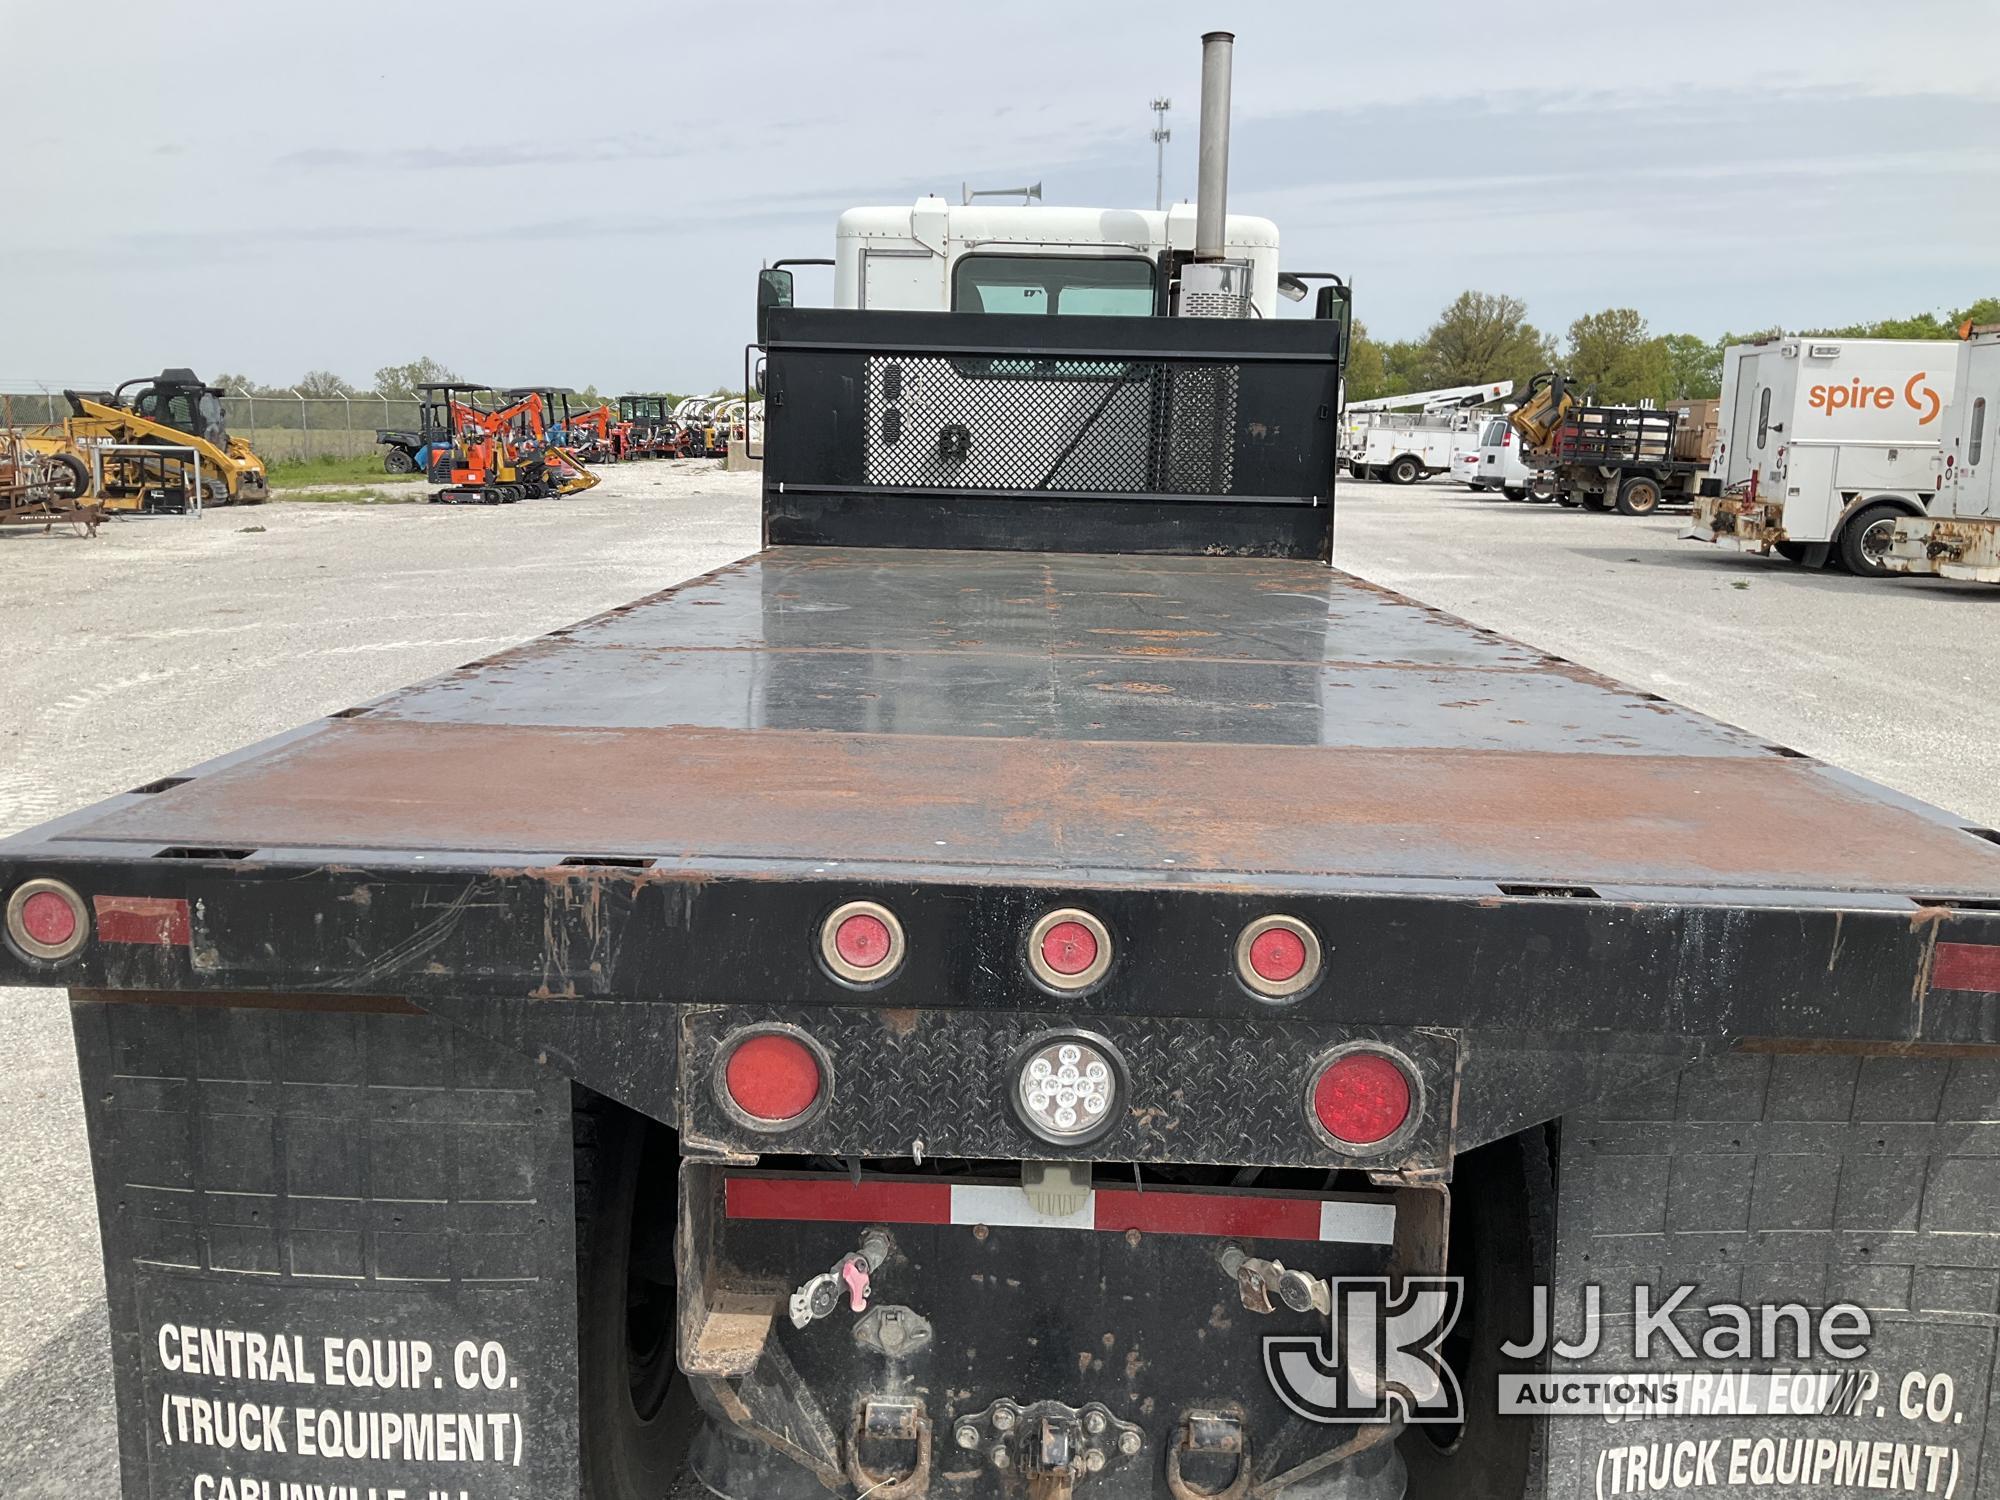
{"x":1278,"y":957}
{"x":46,"y":919}
{"x":1069,"y":949}
{"x":862,"y":942}
{"x":1361,"y":1098}
{"x":1277,"y":954}
{"x":772,"y":1077}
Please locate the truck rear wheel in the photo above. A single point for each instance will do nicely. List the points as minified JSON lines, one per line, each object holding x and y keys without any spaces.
{"x":1864,"y":541}
{"x":1502,"y":1237}
{"x":1405,"y":470}
{"x":635,"y":1411}
{"x":1639,"y":496}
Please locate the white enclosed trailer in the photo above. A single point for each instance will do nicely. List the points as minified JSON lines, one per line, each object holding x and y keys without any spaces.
{"x":1960,"y":538}
{"x":1824,"y":444}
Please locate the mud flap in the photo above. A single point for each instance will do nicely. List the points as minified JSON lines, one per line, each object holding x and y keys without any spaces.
{"x":1810,"y":1179}
{"x":339,"y":1252}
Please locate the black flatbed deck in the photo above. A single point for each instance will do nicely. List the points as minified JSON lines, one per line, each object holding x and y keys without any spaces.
{"x":1111,"y":719}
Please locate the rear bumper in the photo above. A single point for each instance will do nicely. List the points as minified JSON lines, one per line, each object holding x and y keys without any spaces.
{"x":1748,"y":525}
{"x":1967,"y":549}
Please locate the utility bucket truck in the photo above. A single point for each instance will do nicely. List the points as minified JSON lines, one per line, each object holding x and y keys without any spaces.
{"x":1033,"y":984}
{"x":1960,"y":538}
{"x":1406,"y":438}
{"x":1825,"y":444}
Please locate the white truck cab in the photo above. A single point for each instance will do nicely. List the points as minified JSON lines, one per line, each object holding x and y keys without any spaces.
{"x":1960,"y":538}
{"x":1824,"y":444}
{"x":936,"y":256}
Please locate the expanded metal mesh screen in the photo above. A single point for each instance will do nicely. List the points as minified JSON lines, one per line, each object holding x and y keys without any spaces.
{"x":1086,"y":426}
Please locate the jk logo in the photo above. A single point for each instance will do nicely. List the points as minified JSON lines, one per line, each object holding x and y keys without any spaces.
{"x":1380,"y":1359}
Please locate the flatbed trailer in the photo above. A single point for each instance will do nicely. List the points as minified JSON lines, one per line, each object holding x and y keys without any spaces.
{"x":616,"y":1059}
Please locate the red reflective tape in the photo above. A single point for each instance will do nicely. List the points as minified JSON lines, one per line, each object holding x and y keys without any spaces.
{"x":836,"y":1200}
{"x":1967,"y":966}
{"x":1119,"y":1209}
{"x":161,"y":921}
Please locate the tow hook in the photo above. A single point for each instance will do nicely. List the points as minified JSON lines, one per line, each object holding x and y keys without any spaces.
{"x":1258,"y":1281}
{"x":889,"y":1451}
{"x":1056,"y":1447}
{"x":853,"y":1275}
{"x":1210,"y":1457}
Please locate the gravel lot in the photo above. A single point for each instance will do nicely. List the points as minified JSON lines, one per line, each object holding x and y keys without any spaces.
{"x":167,"y":641}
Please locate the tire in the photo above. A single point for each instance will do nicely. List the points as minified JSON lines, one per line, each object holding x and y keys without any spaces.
{"x":71,"y":479}
{"x":1513,"y":492}
{"x":1594,"y":501}
{"x":1864,"y":540}
{"x":1566,"y":500}
{"x":1475,"y":488}
{"x":1405,"y":470}
{"x":399,"y":461}
{"x":635,"y":1411}
{"x":1502,"y":1222}
{"x":1639,"y":496}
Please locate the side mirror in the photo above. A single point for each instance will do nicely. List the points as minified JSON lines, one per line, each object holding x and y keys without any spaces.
{"x":1336,"y":304}
{"x":774,"y":289}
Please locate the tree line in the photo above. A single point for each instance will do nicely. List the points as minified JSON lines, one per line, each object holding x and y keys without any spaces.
{"x":1487,"y":336}
{"x":395,"y":382}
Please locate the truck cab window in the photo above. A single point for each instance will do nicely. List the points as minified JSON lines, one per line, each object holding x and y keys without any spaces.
{"x":1763,"y":417}
{"x":1977,"y":440}
{"x":1073,"y":285}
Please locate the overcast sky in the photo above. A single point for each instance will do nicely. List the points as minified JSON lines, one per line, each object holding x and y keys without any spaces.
{"x":582,"y":195}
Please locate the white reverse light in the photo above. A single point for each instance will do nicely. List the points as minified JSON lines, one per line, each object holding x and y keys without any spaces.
{"x":1066,"y":1090}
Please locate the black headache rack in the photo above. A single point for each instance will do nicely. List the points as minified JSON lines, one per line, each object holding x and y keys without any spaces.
{"x":1206,"y":436}
{"x":1612,"y":436}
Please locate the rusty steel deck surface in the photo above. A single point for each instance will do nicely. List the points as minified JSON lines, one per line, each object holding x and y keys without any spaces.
{"x":1114,"y":719}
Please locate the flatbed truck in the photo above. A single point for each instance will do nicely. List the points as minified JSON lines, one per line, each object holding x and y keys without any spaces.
{"x":1632,"y":459}
{"x":1032,"y":983}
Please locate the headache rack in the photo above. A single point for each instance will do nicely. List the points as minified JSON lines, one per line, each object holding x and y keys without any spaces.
{"x":1612,"y":435}
{"x":1076,"y":434}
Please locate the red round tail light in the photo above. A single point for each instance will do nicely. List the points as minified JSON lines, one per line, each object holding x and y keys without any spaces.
{"x":1362,"y":1098}
{"x":1069,"y":949}
{"x":1278,"y":957}
{"x":862,"y":942}
{"x":772,"y":1078}
{"x":46,"y":920}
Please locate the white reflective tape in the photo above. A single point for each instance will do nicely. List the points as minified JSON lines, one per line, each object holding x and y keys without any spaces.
{"x":1357,"y":1223}
{"x":1009,"y":1207}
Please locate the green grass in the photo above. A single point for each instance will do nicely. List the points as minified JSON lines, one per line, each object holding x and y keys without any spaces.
{"x":346,"y":497}
{"x":289,"y":473}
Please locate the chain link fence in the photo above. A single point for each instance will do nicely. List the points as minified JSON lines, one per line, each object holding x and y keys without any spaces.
{"x":279,"y":428}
